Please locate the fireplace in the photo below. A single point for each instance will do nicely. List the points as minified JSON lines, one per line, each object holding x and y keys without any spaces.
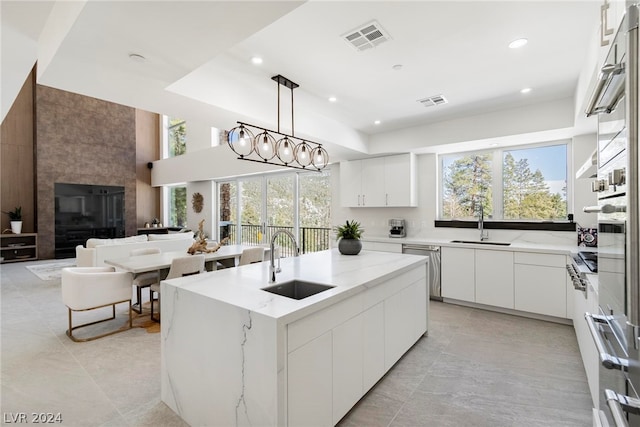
{"x":86,"y":211}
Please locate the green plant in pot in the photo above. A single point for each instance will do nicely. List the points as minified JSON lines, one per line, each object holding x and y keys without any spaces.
{"x":15,"y":216}
{"x":349,"y":235}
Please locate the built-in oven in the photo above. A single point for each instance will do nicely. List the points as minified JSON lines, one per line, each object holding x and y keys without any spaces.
{"x":616,"y":328}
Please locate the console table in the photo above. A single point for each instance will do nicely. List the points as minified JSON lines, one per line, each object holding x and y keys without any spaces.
{"x":18,"y":247}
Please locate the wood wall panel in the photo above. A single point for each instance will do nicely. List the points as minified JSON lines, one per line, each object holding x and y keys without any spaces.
{"x":147,"y":150}
{"x":17,"y":158}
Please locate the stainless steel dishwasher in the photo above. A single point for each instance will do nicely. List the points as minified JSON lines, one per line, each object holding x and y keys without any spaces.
{"x":433,"y":252}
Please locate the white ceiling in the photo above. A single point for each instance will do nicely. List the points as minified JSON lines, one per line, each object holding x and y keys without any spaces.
{"x":198,"y":56}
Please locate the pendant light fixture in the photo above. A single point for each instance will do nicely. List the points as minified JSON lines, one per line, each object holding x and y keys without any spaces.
{"x":260,"y":144}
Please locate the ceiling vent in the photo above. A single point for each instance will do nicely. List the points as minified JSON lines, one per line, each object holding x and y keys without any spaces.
{"x":433,"y":100}
{"x":366,"y":36}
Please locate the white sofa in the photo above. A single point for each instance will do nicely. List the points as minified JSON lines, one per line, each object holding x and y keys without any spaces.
{"x":98,"y":250}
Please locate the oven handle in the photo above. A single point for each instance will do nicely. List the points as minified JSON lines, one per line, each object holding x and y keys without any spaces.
{"x":619,"y":404}
{"x":604,"y":209}
{"x":607,"y":360}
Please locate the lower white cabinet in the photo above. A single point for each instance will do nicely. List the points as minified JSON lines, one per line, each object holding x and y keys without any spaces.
{"x":382,"y":246}
{"x":373,"y":346}
{"x":309,"y":383}
{"x":336,"y":355}
{"x":458,"y":273}
{"x":587,"y":303}
{"x":347,"y":366}
{"x":494,"y":278}
{"x":541,"y":284}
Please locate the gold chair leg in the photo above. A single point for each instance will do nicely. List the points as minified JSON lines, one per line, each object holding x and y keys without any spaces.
{"x":69,"y":331}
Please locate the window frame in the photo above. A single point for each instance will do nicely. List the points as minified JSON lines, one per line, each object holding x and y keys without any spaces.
{"x":498,"y":221}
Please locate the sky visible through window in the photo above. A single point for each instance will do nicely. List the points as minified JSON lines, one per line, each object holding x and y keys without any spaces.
{"x":552,"y":162}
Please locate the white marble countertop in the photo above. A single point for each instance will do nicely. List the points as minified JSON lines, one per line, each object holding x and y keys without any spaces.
{"x":241,"y":286}
{"x":515,"y":246}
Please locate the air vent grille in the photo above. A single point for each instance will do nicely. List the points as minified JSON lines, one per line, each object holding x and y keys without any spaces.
{"x":433,"y":100}
{"x":366,"y":36}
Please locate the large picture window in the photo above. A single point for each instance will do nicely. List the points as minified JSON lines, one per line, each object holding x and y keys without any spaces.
{"x":177,"y":203}
{"x":521,"y":184}
{"x":175,"y":136}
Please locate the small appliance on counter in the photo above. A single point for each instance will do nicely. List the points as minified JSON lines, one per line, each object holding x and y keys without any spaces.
{"x":397,"y":228}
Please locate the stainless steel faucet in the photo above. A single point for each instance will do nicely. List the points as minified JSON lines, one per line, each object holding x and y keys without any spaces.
{"x":272,"y":266}
{"x":483,"y":234}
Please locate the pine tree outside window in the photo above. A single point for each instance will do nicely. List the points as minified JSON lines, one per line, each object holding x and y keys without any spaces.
{"x":511,"y":184}
{"x":176,"y":136}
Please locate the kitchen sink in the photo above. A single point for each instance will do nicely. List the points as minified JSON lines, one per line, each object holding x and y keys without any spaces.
{"x":481,"y":242}
{"x":297,"y":289}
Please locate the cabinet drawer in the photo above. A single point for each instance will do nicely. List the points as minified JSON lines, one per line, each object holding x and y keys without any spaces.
{"x":532,"y":258}
{"x":382,"y":247}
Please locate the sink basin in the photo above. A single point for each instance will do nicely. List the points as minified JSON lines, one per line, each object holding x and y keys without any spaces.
{"x":297,"y":289}
{"x":483,"y":242}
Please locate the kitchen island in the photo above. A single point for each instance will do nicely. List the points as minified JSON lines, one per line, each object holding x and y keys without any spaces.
{"x":234,"y":354}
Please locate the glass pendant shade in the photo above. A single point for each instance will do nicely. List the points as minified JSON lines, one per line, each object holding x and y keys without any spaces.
{"x":285,"y":149}
{"x":303,"y":154}
{"x":240,"y":140}
{"x":319,"y":158}
{"x":265,"y":146}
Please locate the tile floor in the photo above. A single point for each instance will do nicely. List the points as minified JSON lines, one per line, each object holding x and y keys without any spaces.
{"x":476,"y":368}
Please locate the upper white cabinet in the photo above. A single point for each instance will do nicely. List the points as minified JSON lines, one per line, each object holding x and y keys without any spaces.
{"x":379,"y":182}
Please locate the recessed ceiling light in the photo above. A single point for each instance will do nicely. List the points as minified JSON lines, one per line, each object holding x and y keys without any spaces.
{"x":256,"y":60}
{"x":137,"y":57}
{"x":397,"y":67}
{"x":525,"y":90}
{"x":377,"y":122}
{"x":518,"y":43}
{"x":332,"y":99}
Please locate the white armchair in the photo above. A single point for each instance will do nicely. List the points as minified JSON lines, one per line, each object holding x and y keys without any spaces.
{"x":251,"y":255}
{"x":88,"y":288}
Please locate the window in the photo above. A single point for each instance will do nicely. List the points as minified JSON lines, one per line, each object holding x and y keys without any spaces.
{"x":252,"y":209}
{"x":177,"y":203}
{"x":512,"y":184}
{"x":175,"y":136}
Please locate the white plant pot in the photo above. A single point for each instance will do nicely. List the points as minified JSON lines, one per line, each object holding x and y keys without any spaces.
{"x":16,"y":227}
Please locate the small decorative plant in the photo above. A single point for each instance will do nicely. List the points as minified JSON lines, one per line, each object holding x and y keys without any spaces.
{"x":350,"y":230}
{"x":16,"y":214}
{"x":349,"y":235}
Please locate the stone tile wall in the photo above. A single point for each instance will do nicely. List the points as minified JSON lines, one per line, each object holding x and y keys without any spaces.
{"x":81,"y":140}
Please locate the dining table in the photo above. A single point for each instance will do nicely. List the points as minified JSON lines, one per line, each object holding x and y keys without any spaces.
{"x":161,"y":262}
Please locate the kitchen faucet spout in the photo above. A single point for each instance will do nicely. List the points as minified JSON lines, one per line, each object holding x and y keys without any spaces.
{"x":272,"y":266}
{"x":483,"y":234}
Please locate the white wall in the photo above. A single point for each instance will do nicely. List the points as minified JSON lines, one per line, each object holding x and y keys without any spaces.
{"x":420,"y":220}
{"x":206,"y":188}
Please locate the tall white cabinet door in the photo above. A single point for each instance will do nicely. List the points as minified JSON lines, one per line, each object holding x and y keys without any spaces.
{"x":309,"y":383}
{"x":351,"y":183}
{"x":373,"y":354}
{"x":458,"y":273}
{"x":347,"y":366}
{"x":494,"y":278}
{"x":373,"y":182}
{"x":400,"y":177}
{"x":541,"y":289}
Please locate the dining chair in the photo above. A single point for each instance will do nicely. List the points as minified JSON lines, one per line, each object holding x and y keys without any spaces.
{"x":251,"y":255}
{"x":90,"y":288}
{"x":180,"y":267}
{"x":144,"y":280}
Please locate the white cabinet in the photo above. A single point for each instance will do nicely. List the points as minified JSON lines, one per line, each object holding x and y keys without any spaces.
{"x":458,"y":273}
{"x":337,"y":354}
{"x":587,"y":303}
{"x":541,"y":283}
{"x":494,"y":278}
{"x":378,"y":182}
{"x":309,"y":385}
{"x":373,"y":346}
{"x":382,"y":246}
{"x":347,"y":366}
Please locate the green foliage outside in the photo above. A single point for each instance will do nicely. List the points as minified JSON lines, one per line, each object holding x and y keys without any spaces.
{"x":526,"y":196}
{"x":178,"y":211}
{"x":467,"y":184}
{"x":177,"y":137}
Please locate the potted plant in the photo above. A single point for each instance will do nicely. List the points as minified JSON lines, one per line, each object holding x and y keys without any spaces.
{"x":349,"y":238}
{"x":15,"y":216}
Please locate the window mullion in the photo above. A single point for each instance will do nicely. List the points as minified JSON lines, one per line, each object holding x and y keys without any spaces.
{"x":497,"y":185}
